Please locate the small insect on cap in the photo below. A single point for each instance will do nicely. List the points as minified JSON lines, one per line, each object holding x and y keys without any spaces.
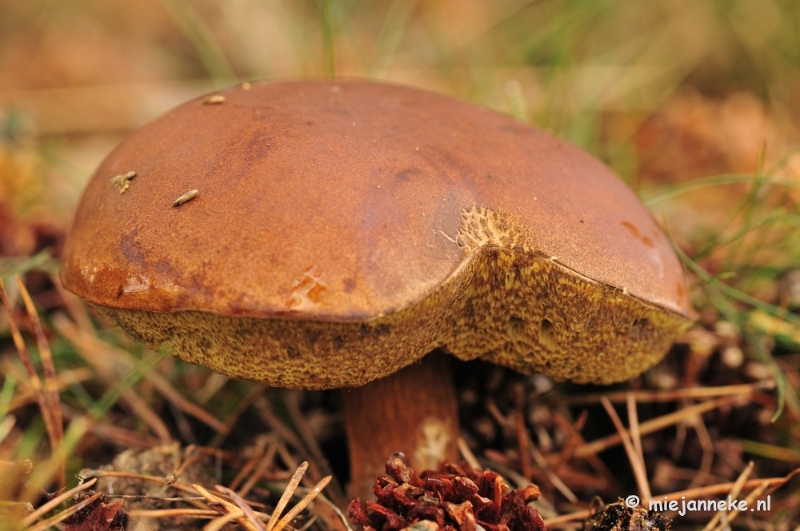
{"x":340,"y":230}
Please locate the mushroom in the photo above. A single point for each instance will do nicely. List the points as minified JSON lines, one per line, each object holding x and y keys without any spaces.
{"x":342,"y":230}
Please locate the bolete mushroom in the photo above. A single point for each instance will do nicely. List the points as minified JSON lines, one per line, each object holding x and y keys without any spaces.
{"x":339,"y":231}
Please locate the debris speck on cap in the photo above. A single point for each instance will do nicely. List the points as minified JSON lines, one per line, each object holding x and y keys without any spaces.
{"x":185,"y":198}
{"x":123,"y":181}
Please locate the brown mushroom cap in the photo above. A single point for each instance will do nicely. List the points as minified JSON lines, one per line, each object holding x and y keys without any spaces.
{"x":343,"y":229}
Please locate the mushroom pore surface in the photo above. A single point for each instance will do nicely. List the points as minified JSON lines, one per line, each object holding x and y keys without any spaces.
{"x":344,"y":229}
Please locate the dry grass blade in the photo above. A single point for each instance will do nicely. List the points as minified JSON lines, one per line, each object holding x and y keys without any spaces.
{"x":214,"y":499}
{"x":287,"y":494}
{"x":548,"y":470}
{"x":551,"y":523}
{"x":74,"y":305}
{"x":172,"y":513}
{"x":65,"y":380}
{"x":288,"y":459}
{"x":89,"y":345}
{"x":302,"y":504}
{"x":633,"y":423}
{"x":733,"y":493}
{"x":522,"y":438}
{"x":6,"y":426}
{"x":122,"y":437}
{"x":654,"y":425}
{"x":48,"y":367}
{"x":239,"y":501}
{"x":467,"y":454}
{"x":104,"y":366}
{"x":218,"y":523}
{"x":636,"y":462}
{"x":193,"y":457}
{"x":63,"y":515}
{"x":156,"y":498}
{"x":264,"y":410}
{"x":674,"y":394}
{"x":52,"y":420}
{"x":231,"y":511}
{"x":731,"y":516}
{"x":214,"y":382}
{"x":603,"y":473}
{"x":707,"y":446}
{"x":169,"y":392}
{"x":55,"y":502}
{"x":233,"y":417}
{"x":771,"y":451}
{"x":267,"y":460}
{"x":160,"y":481}
{"x":318,"y":458}
{"x":724,"y":488}
{"x":573,"y":434}
{"x":260,"y":446}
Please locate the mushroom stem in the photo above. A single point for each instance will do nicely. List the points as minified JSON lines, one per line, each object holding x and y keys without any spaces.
{"x":414,"y":411}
